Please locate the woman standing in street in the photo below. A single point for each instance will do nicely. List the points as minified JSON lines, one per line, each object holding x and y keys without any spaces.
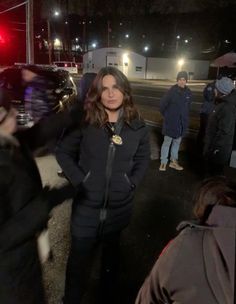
{"x":105,"y":160}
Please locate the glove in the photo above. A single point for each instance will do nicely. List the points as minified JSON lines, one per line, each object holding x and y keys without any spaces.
{"x":56,"y":196}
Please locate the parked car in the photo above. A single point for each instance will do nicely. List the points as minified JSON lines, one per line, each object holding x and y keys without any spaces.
{"x":61,"y":90}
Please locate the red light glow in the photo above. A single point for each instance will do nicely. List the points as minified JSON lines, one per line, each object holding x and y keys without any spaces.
{"x":2,"y":38}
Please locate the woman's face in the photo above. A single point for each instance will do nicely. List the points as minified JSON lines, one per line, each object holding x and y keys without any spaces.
{"x":9,"y":125}
{"x":112,"y":97}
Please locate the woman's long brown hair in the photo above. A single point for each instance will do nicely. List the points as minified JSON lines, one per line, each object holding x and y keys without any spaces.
{"x":95,"y":111}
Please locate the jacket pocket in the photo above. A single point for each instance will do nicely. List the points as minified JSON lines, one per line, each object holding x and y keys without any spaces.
{"x":128,"y":180}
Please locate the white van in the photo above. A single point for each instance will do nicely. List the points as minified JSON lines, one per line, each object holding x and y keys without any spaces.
{"x":71,"y":67}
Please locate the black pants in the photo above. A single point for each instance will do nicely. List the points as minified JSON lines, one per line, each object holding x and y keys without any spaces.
{"x":213,"y":168}
{"x":79,"y":266}
{"x":202,"y":132}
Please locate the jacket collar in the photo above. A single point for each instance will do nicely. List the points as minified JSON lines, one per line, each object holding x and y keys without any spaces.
{"x":136,"y":124}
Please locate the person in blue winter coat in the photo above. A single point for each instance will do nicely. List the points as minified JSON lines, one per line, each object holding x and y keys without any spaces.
{"x":175,"y":107}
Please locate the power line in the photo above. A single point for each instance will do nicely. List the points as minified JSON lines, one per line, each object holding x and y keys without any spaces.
{"x":14,"y":7}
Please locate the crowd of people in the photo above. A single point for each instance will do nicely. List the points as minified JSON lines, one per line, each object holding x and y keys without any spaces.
{"x":217,"y":123}
{"x":104,"y":152}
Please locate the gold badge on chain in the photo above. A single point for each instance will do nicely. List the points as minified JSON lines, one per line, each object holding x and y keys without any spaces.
{"x":116,"y":139}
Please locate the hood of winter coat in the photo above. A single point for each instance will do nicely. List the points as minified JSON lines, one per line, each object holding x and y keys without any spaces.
{"x":219,"y":251}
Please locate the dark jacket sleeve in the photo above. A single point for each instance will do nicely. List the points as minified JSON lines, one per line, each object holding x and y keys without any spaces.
{"x":141,"y":159}
{"x":51,"y":128}
{"x":165,"y":100}
{"x":19,"y":226}
{"x":226,"y":121}
{"x":22,"y":225}
{"x":32,"y":218}
{"x":67,"y":155}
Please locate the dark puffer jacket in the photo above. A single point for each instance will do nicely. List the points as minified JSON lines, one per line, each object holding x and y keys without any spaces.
{"x":83,"y":156}
{"x":220,"y":130}
{"x":24,"y":212}
{"x":24,"y":209}
{"x":198,"y":266}
{"x":174,"y":106}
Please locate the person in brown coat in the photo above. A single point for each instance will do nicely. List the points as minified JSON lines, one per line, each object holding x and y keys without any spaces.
{"x":198,"y":266}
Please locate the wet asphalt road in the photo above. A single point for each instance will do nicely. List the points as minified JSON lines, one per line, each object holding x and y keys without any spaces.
{"x":161,"y":202}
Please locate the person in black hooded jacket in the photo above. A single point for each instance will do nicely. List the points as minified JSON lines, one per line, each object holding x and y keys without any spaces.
{"x":221,"y":128}
{"x":105,"y":160}
{"x":24,"y":209}
{"x":198,"y":266}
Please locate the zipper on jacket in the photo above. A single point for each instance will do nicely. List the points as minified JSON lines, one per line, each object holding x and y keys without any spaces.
{"x":103,"y":211}
{"x":109,"y":166}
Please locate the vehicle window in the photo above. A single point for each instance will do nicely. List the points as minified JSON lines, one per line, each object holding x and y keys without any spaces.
{"x":59,"y":64}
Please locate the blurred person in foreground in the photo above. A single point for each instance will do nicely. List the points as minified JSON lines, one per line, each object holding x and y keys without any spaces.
{"x":36,"y":99}
{"x":105,"y":160}
{"x":24,"y":209}
{"x":221,"y":128}
{"x":174,"y":107}
{"x":198,"y":266}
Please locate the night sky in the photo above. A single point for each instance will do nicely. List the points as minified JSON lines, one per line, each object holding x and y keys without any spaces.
{"x":205,"y":29}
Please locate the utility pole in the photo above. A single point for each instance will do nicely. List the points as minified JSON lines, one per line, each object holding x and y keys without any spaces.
{"x":108,"y":33}
{"x":49,"y":42}
{"x":29,"y":32}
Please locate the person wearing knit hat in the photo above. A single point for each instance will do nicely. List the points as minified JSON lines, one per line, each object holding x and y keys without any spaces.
{"x":182,"y":74}
{"x":224,"y":85}
{"x":174,"y":107}
{"x":221,"y":128}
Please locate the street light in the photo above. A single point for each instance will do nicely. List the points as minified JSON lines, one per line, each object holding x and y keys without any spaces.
{"x":56,"y":13}
{"x":177,"y":43}
{"x":146,"y":48}
{"x":181,"y":62}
